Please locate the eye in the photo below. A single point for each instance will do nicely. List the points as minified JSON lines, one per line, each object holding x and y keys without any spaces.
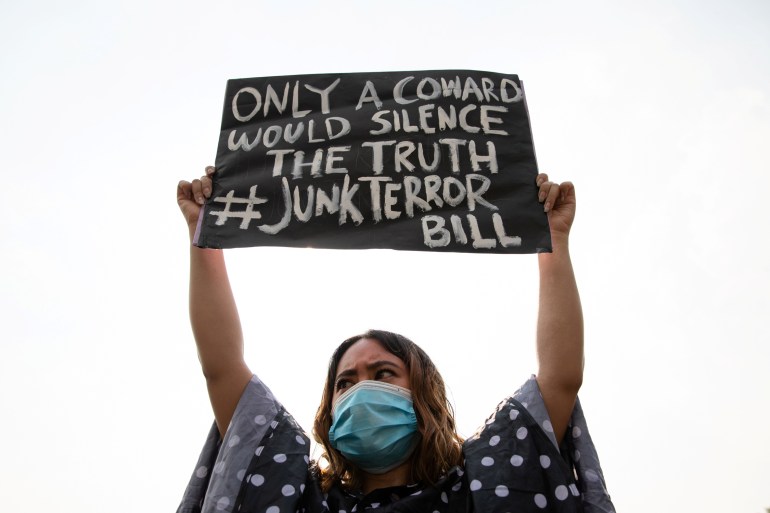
{"x":342,"y":384}
{"x":384,"y":374}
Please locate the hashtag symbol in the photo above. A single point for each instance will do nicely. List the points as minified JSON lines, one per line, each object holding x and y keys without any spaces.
{"x":245,"y":215}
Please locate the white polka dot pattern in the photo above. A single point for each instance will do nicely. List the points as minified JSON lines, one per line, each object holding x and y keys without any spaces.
{"x":529,"y":455}
{"x":512,"y":448}
{"x":222,"y":503}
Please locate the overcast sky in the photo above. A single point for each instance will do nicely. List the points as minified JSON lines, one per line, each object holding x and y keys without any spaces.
{"x":659,"y":112}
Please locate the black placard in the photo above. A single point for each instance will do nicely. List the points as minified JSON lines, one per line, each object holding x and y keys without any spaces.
{"x":418,"y":160}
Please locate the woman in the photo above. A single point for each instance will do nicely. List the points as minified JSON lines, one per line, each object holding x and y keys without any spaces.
{"x":384,"y":422}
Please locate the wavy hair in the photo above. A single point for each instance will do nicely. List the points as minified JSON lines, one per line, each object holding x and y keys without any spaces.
{"x":440,"y":446}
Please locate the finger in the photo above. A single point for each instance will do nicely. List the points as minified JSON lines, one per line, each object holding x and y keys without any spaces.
{"x":541,"y":179}
{"x":544,"y":190}
{"x":210,"y":170}
{"x":206,"y":184}
{"x":197,"y":192}
{"x":552,"y":197}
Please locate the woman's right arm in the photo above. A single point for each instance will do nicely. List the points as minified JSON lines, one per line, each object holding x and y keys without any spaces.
{"x":213,"y":312}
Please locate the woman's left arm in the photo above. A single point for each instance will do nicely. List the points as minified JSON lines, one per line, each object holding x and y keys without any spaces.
{"x":560,"y":316}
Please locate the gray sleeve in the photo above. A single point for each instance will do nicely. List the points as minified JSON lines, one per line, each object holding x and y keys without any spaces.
{"x":217,"y":478}
{"x":596,"y":498}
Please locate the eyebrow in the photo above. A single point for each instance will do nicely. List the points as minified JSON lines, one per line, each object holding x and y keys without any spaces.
{"x":373,"y":365}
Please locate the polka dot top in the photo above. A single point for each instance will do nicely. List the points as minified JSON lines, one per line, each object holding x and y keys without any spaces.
{"x":512,"y":463}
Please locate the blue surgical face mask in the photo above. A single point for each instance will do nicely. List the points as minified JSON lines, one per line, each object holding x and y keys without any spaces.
{"x":374,"y":426}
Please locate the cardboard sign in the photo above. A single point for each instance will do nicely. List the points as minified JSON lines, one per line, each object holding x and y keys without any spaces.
{"x":419,"y":160}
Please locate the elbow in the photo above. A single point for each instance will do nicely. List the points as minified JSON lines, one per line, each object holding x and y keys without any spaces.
{"x":216,"y":374}
{"x":574,"y":383}
{"x":215,"y":370}
{"x":567,"y":385}
{"x":210,"y":374}
{"x":572,"y":379}
{"x":566,"y":381}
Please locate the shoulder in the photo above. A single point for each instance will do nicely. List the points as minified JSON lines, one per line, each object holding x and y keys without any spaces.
{"x":511,"y":462}
{"x":523,"y":416}
{"x":264,"y":455}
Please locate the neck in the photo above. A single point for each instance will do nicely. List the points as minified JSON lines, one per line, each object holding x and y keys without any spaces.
{"x":399,"y":476}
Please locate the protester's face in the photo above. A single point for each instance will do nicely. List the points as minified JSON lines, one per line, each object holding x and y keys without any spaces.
{"x":367,"y":359}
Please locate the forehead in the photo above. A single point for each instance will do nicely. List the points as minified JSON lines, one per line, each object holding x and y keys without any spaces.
{"x":366,"y":350}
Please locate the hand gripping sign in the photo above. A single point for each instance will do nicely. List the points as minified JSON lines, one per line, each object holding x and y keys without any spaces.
{"x":418,"y":160}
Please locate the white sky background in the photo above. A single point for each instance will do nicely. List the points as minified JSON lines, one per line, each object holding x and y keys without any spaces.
{"x":658,"y":111}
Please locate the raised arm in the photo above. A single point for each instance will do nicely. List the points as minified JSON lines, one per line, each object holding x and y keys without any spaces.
{"x":560,"y":316}
{"x":213,"y":312}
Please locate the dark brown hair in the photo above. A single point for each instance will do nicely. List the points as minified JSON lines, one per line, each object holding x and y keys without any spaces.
{"x":440,"y":447}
